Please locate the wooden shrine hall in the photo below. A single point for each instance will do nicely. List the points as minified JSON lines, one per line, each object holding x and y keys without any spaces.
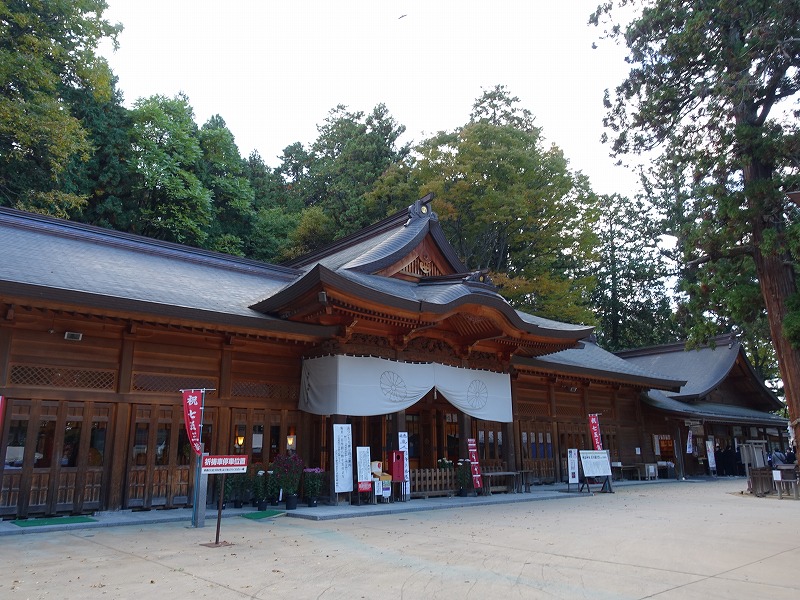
{"x":385,"y":330}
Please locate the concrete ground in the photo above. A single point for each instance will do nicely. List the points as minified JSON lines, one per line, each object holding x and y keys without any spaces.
{"x":667,"y":540}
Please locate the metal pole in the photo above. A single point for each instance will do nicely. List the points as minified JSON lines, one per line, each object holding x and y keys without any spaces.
{"x":219,"y":507}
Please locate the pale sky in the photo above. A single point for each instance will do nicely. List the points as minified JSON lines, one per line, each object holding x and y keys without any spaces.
{"x":273,"y":69}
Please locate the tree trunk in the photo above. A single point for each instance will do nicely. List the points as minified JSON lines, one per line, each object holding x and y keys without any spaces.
{"x":777,"y":281}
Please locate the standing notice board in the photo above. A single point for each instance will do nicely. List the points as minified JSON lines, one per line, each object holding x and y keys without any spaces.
{"x":342,"y":458}
{"x":597,"y":465}
{"x":364,"y":475}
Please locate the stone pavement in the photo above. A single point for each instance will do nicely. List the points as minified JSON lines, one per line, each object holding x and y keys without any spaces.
{"x":318,"y":513}
{"x":665,"y":539}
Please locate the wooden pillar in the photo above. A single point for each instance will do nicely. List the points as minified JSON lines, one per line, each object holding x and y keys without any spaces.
{"x":556,"y":442}
{"x":464,"y":432}
{"x":120,"y":428}
{"x":5,"y":353}
{"x":509,"y":447}
{"x":398,"y":425}
{"x":119,"y":434}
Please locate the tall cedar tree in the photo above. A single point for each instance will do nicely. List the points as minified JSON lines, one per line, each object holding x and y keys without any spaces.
{"x":705,"y":88}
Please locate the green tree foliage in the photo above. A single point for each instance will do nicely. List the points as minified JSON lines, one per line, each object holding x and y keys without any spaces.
{"x":105,"y":178}
{"x":705,"y":91}
{"x":631,"y":299}
{"x":222,"y":172}
{"x":510,"y":205}
{"x":46,"y":49}
{"x":351,"y":152}
{"x":174,"y":204}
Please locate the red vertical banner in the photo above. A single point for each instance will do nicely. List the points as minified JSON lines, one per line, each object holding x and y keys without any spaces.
{"x":594,"y":427}
{"x":193,"y":417}
{"x":477,"y":476}
{"x":2,"y":411}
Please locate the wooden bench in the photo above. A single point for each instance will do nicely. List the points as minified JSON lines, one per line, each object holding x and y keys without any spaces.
{"x":786,"y":481}
{"x":493,"y":474}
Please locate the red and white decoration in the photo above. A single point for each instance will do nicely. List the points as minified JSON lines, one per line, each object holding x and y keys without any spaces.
{"x":594,"y":427}
{"x":193,"y":417}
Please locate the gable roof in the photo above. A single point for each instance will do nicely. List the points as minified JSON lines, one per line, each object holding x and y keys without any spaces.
{"x":719,"y":370}
{"x":353,"y":270}
{"x":376,"y":247}
{"x":593,"y":362}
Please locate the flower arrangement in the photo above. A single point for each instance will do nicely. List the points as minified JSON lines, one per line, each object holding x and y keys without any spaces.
{"x":287,"y":470}
{"x":313,"y":480}
{"x":258,"y":480}
{"x":445,"y":463}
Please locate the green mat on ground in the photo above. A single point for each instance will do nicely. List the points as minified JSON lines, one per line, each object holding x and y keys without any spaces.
{"x":262,"y":514}
{"x":52,"y":521}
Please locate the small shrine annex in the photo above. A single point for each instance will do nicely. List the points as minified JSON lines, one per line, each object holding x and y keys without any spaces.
{"x":384,"y":329}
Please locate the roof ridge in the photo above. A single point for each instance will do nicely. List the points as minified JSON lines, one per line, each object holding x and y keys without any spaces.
{"x":356,"y":237}
{"x":725,"y":338}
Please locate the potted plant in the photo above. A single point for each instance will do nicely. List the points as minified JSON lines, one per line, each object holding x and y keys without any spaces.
{"x":237,"y":488}
{"x":444,"y":463}
{"x":313,"y":480}
{"x":273,"y":487}
{"x":464,"y":476}
{"x":288,"y":469}
{"x":258,"y":484}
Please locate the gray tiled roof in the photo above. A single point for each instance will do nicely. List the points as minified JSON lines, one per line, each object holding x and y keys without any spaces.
{"x":593,"y":361}
{"x":704,"y":368}
{"x":710,"y":411}
{"x":109,"y":269}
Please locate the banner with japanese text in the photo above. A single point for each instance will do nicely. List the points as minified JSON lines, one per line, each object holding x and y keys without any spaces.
{"x":342,"y":458}
{"x":594,"y":427}
{"x":477,"y":476}
{"x":193,"y":417}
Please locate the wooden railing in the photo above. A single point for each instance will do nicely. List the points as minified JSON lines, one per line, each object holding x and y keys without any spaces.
{"x":427,"y":483}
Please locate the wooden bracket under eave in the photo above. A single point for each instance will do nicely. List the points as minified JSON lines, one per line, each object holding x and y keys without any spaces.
{"x":10,"y":313}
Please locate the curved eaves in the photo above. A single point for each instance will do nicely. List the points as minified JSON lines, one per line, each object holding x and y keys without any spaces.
{"x":444,"y":299}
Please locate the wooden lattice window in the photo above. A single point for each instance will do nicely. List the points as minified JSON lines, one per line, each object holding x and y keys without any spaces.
{"x":63,"y":377}
{"x":154,"y":382}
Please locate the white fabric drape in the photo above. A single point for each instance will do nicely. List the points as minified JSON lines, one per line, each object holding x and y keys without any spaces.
{"x":365,"y":386}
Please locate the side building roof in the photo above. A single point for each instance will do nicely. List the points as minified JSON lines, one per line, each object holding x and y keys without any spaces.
{"x":721,"y":384}
{"x":592,"y":362}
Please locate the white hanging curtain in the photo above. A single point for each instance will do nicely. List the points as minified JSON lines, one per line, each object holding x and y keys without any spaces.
{"x":366,"y":386}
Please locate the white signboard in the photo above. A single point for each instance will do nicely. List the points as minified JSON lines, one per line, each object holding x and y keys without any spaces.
{"x":402,"y":445}
{"x":342,"y":458}
{"x":572,"y":465}
{"x":363,"y":464}
{"x":595,"y":463}
{"x":223,"y":464}
{"x":712,"y":460}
